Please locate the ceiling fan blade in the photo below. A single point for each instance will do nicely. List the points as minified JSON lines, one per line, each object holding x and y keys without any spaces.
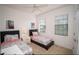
{"x":35,"y":7}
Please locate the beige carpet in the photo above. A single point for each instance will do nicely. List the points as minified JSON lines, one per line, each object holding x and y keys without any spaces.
{"x":54,"y":50}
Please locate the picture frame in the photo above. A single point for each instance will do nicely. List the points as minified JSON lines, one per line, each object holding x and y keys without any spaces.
{"x":32,"y":25}
{"x":10,"y":24}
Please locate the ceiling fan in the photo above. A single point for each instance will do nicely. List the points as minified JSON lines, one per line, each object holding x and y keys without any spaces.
{"x":36,"y":7}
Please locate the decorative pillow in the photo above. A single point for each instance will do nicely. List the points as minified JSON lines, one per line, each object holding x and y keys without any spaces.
{"x":10,"y":37}
{"x":35,"y":33}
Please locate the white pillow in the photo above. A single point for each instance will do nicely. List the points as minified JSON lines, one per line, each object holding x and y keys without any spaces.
{"x":10,"y":37}
{"x":35,"y":33}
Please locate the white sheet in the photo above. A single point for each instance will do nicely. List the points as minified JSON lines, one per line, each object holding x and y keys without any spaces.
{"x":13,"y":50}
{"x":25,"y":48}
{"x":41,"y":39}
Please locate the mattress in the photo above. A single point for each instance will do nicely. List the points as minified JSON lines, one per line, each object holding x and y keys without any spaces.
{"x":42,"y":40}
{"x":12,"y":50}
{"x":25,"y":48}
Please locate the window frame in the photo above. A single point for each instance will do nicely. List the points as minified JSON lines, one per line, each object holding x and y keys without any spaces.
{"x":62,"y":24}
{"x":42,"y":26}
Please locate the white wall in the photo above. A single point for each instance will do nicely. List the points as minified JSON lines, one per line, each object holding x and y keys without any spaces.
{"x":64,"y":41}
{"x":1,"y":21}
{"x":21,"y":19}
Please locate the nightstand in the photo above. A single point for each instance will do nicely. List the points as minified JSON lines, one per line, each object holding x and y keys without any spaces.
{"x":26,"y":39}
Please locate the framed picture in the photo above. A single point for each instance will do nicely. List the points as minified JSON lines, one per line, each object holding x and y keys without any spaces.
{"x":32,"y":25}
{"x":10,"y":24}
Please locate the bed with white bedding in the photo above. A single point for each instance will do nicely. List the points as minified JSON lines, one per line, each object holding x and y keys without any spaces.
{"x":40,"y":40}
{"x":11,"y":43}
{"x":23,"y":47}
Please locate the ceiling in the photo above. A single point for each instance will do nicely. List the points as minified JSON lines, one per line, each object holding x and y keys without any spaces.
{"x":33,"y":8}
{"x":25,"y":5}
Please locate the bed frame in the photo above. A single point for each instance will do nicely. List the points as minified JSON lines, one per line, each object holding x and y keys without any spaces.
{"x":41,"y":45}
{"x":3,"y":33}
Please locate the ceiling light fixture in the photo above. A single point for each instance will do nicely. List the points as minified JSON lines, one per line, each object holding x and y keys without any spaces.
{"x":36,"y":8}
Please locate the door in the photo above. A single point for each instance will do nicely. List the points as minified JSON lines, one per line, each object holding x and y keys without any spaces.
{"x":77,"y":31}
{"x":76,"y":34}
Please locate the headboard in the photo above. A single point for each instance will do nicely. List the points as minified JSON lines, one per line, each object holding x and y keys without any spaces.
{"x":3,"y":33}
{"x":32,"y":30}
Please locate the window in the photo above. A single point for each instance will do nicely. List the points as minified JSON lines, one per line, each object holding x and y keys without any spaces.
{"x":61,"y":25}
{"x":42,"y":25}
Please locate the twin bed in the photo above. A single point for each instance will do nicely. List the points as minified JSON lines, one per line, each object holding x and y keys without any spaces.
{"x":40,"y":40}
{"x":11,"y":44}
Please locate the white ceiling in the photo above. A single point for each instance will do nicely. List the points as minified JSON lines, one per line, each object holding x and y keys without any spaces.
{"x":25,"y":5}
{"x":34,"y":8}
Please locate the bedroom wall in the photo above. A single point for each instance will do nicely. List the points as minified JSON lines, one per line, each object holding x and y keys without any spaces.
{"x":1,"y":21}
{"x":21,"y":19}
{"x":64,"y":41}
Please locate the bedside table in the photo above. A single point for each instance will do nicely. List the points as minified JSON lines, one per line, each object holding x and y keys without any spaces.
{"x":26,"y":39}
